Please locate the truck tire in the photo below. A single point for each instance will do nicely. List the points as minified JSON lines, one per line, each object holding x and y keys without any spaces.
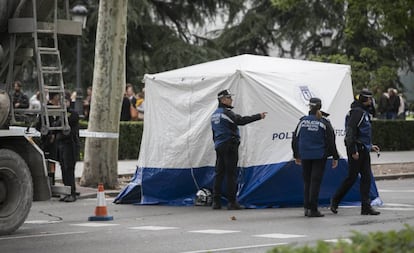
{"x":16,"y":191}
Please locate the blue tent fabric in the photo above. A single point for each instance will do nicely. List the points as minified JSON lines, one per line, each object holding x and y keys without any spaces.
{"x":275,"y":185}
{"x":131,"y":194}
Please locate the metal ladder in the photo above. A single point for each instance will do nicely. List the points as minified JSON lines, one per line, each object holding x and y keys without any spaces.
{"x":49,"y":72}
{"x":49,"y":69}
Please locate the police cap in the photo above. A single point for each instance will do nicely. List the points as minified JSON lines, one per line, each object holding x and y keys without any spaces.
{"x":224,"y":93}
{"x":315,"y":102}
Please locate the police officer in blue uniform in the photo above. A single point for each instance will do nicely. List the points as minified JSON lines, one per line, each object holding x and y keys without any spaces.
{"x":226,"y":136}
{"x":358,"y":141}
{"x":312,"y":143}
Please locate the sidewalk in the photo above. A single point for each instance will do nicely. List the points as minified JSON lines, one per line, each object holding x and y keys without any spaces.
{"x":393,"y":157}
{"x":389,"y":165}
{"x":125,"y":168}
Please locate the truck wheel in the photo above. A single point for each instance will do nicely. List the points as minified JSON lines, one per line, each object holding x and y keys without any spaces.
{"x":16,"y":191}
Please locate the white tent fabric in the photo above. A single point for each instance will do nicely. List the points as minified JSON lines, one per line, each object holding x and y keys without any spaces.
{"x":180,"y":102}
{"x":177,"y":153}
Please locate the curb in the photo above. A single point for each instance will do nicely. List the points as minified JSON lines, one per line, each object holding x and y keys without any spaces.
{"x":394,"y":176}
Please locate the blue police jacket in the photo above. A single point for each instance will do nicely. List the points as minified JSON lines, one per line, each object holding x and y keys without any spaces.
{"x":358,"y":128}
{"x":314,"y":138}
{"x":224,"y":123}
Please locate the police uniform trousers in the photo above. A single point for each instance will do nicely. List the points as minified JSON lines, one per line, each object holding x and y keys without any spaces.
{"x":361,"y":166}
{"x":67,"y":159}
{"x":313,"y":171}
{"x":226,"y":166}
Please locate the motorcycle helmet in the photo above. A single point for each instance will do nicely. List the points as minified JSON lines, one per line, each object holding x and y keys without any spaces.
{"x":203,"y":197}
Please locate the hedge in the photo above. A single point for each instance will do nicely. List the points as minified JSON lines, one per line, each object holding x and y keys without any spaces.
{"x":390,"y":135}
{"x":393,"y":135}
{"x":130,"y":135}
{"x":374,"y":242}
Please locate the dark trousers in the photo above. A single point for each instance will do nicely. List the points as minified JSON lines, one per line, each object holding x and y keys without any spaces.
{"x":361,"y":166}
{"x":67,"y":159}
{"x":226,"y":166}
{"x":312,"y":178}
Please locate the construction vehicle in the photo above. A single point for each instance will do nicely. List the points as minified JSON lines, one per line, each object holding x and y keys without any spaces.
{"x":29,"y":32}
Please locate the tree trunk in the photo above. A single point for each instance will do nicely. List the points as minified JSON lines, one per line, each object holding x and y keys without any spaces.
{"x":101,"y":154}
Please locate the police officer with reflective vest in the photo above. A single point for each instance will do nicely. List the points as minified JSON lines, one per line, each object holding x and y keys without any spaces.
{"x":312,"y":143}
{"x":358,"y":141}
{"x":226,"y":136}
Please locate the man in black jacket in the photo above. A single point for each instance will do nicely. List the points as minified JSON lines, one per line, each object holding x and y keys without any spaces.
{"x":358,"y":141}
{"x":68,"y":151}
{"x":20,"y":100}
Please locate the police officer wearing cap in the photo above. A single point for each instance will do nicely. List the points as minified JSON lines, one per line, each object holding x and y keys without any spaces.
{"x":358,"y":142}
{"x":226,"y":136}
{"x":312,"y":143}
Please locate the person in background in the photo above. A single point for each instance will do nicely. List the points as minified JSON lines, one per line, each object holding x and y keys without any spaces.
{"x":20,"y":100}
{"x":382,"y":106}
{"x":130,"y":94}
{"x":126,"y":107}
{"x":69,"y":150}
{"x":402,"y":107}
{"x":226,"y":136}
{"x":312,"y":143}
{"x":358,"y":142}
{"x":73,"y":96}
{"x":393,"y":104}
{"x":34,"y":101}
{"x":140,"y":105}
{"x":87,"y":103}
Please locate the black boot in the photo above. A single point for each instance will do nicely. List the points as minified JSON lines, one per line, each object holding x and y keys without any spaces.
{"x":369,"y":211}
{"x":307,"y":211}
{"x":312,"y":214}
{"x":70,"y":198}
{"x":216,"y":203}
{"x":334,"y":206}
{"x":234,"y":206}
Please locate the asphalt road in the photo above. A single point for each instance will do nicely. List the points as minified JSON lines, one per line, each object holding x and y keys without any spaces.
{"x":54,"y":226}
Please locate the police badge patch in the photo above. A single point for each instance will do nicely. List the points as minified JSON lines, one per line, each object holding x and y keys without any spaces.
{"x":306,"y":93}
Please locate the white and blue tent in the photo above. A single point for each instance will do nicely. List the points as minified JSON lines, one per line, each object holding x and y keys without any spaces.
{"x":177,"y":154}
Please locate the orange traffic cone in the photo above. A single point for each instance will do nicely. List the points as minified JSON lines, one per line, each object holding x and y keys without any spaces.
{"x":101,"y":214}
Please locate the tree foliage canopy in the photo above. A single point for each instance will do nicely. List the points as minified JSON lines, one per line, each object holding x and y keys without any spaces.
{"x":376,"y":37}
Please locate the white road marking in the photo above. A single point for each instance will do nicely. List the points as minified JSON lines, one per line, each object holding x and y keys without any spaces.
{"x":152,"y":228}
{"x":236,"y":248}
{"x":214,"y":231}
{"x":396,"y":208}
{"x":398,"y":205}
{"x":279,"y":236}
{"x":91,"y":224}
{"x":403,"y":191}
{"x":42,"y":221}
{"x":42,"y":235}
